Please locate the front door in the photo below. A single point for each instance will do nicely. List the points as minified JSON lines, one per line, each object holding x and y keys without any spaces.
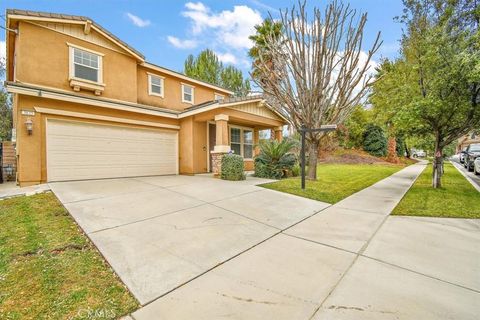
{"x":212,"y":139}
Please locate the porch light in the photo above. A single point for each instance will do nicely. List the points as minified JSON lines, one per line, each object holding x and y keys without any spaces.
{"x":29,"y":126}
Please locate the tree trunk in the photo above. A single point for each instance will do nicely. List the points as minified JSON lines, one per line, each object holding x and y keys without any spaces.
{"x":392,"y":150}
{"x":407,"y":151}
{"x":312,"y":160}
{"x":437,"y":167}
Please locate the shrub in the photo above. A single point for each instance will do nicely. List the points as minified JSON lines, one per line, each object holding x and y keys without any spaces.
{"x":374,"y":141}
{"x":296,"y":170}
{"x":275,"y":159}
{"x":354,"y":128}
{"x":232,"y":167}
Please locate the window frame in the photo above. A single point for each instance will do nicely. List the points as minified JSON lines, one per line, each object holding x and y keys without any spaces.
{"x":215,"y":95}
{"x":184,"y":85}
{"x":71,"y":49}
{"x":242,"y":139}
{"x":162,"y":85}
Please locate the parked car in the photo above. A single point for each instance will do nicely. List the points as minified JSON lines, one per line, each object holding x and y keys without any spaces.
{"x":461,"y":155}
{"x":472,"y":152}
{"x":476,"y":166}
{"x":419,"y":154}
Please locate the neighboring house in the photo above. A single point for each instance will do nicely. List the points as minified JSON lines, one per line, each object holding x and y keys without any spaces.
{"x":88,"y":106}
{"x":467,"y":139}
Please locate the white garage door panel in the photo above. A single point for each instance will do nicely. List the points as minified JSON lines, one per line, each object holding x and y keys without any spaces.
{"x":77,"y":150}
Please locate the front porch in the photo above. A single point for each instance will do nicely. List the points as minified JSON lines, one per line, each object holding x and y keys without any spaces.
{"x":213,"y":130}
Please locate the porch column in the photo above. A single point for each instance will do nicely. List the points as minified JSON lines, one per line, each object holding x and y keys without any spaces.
{"x":256,"y":141}
{"x":222,"y":145}
{"x":278,"y":133}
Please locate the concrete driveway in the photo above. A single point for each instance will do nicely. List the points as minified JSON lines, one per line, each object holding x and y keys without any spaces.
{"x":161,"y":232}
{"x":201,"y":248}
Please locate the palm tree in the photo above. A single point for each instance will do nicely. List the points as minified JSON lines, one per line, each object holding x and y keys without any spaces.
{"x":267,"y":31}
{"x":275,"y":158}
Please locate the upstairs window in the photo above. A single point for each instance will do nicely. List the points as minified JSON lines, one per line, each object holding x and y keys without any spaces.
{"x":86,"y":65}
{"x":187,"y":93}
{"x":218,"y":97}
{"x":155,"y":85}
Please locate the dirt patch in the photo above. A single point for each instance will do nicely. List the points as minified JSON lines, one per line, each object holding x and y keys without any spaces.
{"x":350,"y":157}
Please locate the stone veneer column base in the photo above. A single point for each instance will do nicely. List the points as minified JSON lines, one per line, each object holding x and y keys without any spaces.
{"x":217,"y":162}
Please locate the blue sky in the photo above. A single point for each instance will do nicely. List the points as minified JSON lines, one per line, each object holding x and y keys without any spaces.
{"x":167,"y":31}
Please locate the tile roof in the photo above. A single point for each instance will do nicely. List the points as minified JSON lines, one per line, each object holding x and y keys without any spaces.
{"x":241,"y":99}
{"x":83,"y":18}
{"x":72,"y":17}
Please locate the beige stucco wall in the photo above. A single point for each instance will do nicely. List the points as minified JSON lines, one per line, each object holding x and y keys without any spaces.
{"x":123,"y":76}
{"x":200,"y":147}
{"x":172,"y":97}
{"x":43,"y":59}
{"x":31,"y":149}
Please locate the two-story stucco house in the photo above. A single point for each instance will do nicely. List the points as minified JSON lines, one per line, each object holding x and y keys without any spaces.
{"x":89,"y":106}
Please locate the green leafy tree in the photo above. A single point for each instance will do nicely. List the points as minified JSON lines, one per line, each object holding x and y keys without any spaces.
{"x":355,"y":127}
{"x":435,"y":84}
{"x":207,"y":67}
{"x":232,"y":78}
{"x":5,"y":109}
{"x":374,"y":141}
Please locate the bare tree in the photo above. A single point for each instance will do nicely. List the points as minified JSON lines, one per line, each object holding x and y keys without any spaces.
{"x":318,"y":73}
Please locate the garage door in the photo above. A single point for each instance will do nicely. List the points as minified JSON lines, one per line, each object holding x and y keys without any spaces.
{"x":79,"y":150}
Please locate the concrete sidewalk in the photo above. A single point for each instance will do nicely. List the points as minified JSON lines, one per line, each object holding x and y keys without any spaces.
{"x":10,"y":189}
{"x":349,"y":261}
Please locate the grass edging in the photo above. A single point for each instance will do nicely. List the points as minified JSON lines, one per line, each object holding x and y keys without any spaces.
{"x":456,"y":199}
{"x":336,"y":181}
{"x":49,"y":268}
{"x":476,"y":186}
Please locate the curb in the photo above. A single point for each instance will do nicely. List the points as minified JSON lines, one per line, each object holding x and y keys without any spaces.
{"x":476,"y":186}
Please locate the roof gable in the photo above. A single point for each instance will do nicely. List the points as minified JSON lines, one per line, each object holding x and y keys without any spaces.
{"x":78,"y":31}
{"x":256,"y":108}
{"x":77,"y":26}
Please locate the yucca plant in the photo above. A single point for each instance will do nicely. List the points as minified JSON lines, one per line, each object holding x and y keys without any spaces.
{"x":275,"y":158}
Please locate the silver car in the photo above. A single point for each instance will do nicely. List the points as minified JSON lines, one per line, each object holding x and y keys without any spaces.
{"x":476,"y":166}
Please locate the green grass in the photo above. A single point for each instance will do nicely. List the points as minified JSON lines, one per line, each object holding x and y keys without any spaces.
{"x":336,"y":181}
{"x":49,"y":269}
{"x":456,"y":199}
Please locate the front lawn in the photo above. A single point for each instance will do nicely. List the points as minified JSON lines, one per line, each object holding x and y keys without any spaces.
{"x":336,"y":181}
{"x":49,"y":269}
{"x":456,"y":199}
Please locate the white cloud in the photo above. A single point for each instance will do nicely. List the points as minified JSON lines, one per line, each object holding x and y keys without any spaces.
{"x":227,"y":31}
{"x":264,"y":6}
{"x":3,"y":50}
{"x":230,"y":27}
{"x":136,"y":20}
{"x":198,"y":6}
{"x":227,"y":58}
{"x":182,"y":44}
